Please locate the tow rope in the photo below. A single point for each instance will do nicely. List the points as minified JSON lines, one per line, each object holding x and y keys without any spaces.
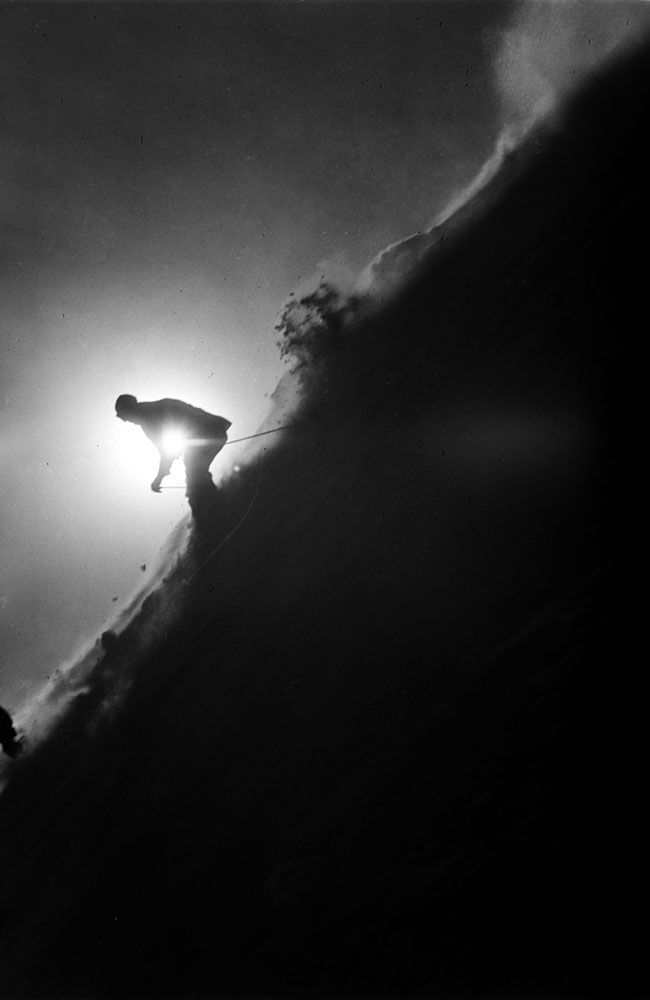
{"x":273,"y":431}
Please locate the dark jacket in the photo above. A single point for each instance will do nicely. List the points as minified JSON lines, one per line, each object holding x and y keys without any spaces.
{"x":173,"y":414}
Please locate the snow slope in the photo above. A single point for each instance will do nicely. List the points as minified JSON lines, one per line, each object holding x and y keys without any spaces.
{"x":386,"y":738}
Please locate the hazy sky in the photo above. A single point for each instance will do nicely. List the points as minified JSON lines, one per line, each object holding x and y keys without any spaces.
{"x":170,"y":173}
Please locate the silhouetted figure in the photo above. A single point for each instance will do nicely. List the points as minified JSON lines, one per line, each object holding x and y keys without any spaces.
{"x":9,"y":739}
{"x":178,"y":429}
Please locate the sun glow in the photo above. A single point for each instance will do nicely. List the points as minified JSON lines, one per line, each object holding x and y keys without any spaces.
{"x":137,"y":458}
{"x":173,"y":441}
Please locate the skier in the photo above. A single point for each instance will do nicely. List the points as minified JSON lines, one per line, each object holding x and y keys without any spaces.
{"x":9,"y":739}
{"x":178,"y":429}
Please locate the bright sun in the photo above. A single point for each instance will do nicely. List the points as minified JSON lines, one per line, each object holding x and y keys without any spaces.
{"x":173,"y":441}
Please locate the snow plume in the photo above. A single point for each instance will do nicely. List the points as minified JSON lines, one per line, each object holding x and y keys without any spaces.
{"x":549,"y":48}
{"x":506,"y":143}
{"x":401,"y":261}
{"x":312,"y":327}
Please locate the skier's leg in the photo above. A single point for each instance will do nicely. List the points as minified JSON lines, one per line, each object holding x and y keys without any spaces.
{"x":198,"y":460}
{"x":205,"y":500}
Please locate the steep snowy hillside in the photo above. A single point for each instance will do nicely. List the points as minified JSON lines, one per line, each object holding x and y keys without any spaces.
{"x":382,"y":735}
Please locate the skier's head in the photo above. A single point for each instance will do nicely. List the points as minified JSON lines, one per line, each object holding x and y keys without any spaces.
{"x":125,"y":407}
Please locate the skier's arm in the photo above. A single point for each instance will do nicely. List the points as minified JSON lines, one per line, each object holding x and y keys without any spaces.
{"x":164,"y":466}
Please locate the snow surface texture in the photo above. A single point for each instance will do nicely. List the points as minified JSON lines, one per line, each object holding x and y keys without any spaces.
{"x":385,"y":737}
{"x":84,"y":674}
